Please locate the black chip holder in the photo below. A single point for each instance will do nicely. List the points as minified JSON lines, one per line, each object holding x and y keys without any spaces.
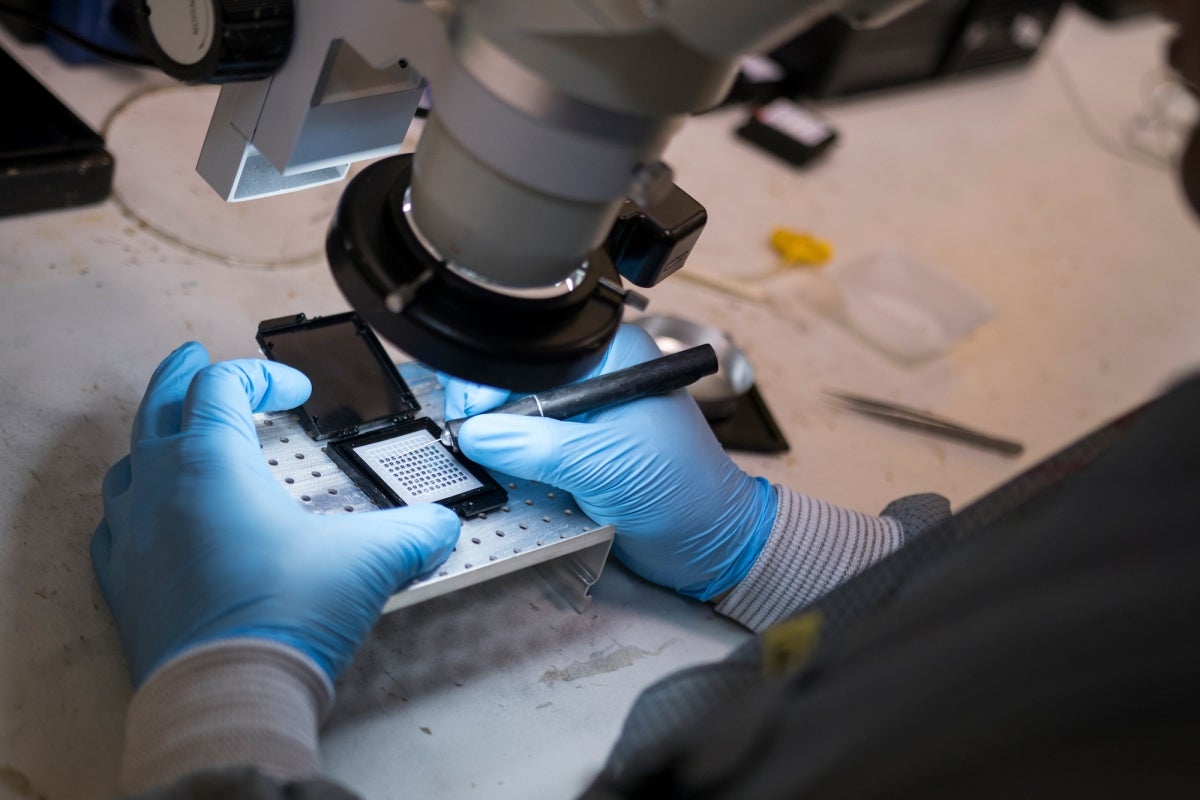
{"x":360,"y":399}
{"x":355,"y":385}
{"x":49,"y":158}
{"x":751,"y":427}
{"x":488,"y":496}
{"x":788,"y":131}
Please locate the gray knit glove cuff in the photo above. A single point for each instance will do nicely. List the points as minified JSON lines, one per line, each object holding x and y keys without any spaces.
{"x":248,"y":702}
{"x":813,"y":547}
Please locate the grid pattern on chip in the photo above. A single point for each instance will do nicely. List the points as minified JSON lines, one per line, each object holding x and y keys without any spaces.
{"x":417,"y":467}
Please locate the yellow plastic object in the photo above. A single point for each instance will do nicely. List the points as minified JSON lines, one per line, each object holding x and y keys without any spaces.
{"x":800,"y":248}
{"x":789,"y":645}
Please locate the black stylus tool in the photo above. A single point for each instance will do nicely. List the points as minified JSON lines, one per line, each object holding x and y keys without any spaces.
{"x":641,"y":380}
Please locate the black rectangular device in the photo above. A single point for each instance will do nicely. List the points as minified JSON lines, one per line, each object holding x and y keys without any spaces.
{"x":789,"y":131}
{"x":935,"y":40}
{"x":407,"y":464}
{"x":48,"y":157}
{"x":365,"y":413}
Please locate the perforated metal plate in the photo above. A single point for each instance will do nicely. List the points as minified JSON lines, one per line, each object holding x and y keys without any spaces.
{"x":540,"y":526}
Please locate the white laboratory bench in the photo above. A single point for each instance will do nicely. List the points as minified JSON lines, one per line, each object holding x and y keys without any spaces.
{"x":1016,"y":184}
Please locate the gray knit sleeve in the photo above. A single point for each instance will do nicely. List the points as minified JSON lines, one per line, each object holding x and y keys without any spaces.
{"x":246,"y":783}
{"x":918,"y":513}
{"x":815,"y":546}
{"x":248,"y":702}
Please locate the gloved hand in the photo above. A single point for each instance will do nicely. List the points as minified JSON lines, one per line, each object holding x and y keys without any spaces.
{"x":687,"y":517}
{"x":198,"y":541}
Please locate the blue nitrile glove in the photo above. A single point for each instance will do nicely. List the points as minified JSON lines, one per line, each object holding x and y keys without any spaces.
{"x":687,"y":517}
{"x":198,"y":541}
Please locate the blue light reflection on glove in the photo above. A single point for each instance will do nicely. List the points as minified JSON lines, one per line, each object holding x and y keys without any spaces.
{"x":198,"y":541}
{"x":687,"y":517}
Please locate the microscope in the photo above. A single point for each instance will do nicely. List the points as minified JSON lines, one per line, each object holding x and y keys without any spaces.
{"x":498,"y":251}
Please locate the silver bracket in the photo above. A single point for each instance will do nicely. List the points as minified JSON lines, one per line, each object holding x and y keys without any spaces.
{"x":346,"y":93}
{"x":574,"y":575}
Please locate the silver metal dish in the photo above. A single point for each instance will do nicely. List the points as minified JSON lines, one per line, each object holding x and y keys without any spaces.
{"x":717,"y":395}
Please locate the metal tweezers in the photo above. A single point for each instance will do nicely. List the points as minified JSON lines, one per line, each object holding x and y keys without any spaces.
{"x":919,"y":420}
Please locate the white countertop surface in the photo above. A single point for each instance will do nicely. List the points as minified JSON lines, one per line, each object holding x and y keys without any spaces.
{"x":1088,"y":255}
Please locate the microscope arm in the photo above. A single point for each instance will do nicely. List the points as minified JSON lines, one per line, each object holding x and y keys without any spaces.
{"x":484,"y":253}
{"x":547,"y":113}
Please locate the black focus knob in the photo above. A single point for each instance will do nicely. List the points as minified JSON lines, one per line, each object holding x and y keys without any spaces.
{"x":216,"y":41}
